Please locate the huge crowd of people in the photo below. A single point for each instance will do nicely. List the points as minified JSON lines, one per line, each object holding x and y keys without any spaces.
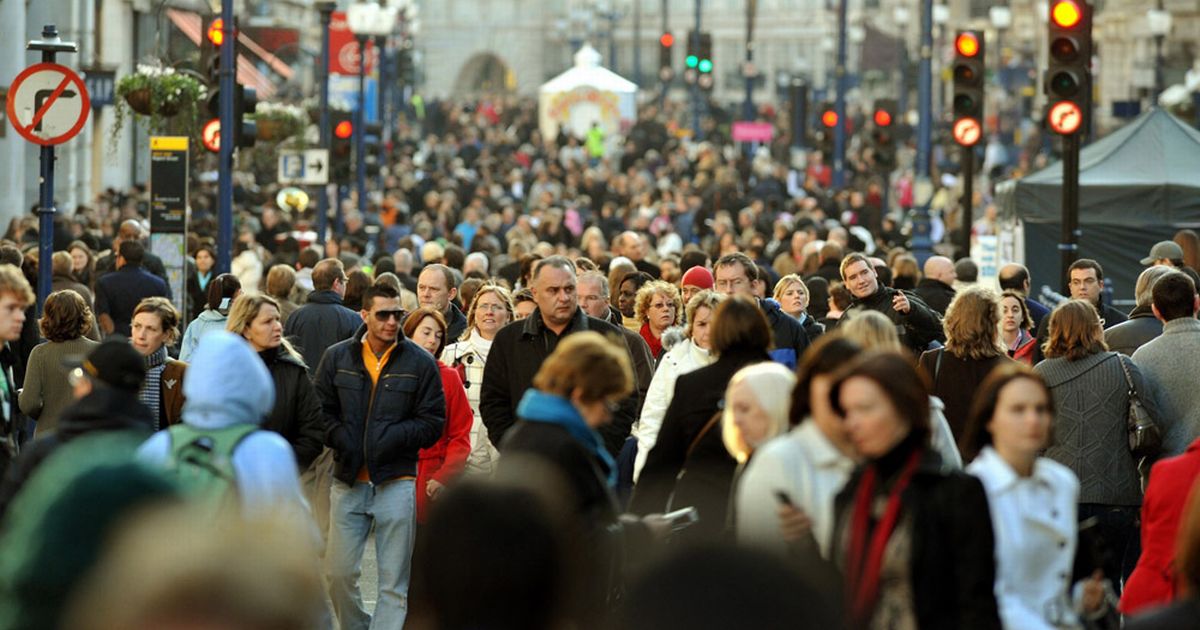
{"x":665,"y":384}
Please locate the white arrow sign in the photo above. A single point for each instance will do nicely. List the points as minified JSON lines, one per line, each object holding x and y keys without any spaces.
{"x":309,"y":167}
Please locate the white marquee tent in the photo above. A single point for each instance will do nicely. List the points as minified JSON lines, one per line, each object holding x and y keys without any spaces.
{"x":587,"y":93}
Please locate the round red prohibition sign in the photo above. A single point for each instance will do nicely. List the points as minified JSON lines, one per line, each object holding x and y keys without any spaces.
{"x":48,"y":104}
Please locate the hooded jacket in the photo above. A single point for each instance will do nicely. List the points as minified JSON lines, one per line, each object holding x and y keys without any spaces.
{"x":381,"y":426}
{"x":227,"y":384}
{"x":208,"y":321}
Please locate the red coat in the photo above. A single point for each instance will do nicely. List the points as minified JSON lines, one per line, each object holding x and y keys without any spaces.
{"x":1153,"y":580}
{"x":446,"y":458}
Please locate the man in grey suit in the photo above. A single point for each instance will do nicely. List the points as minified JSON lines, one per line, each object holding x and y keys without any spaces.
{"x":1171,"y":361}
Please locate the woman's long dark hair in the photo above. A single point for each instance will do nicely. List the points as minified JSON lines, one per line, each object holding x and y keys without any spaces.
{"x":222,"y":288}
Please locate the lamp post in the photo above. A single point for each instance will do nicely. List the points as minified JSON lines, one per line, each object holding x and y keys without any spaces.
{"x":366,"y":20}
{"x":901,"y":16}
{"x":1001,"y":18}
{"x":326,"y":10}
{"x":941,"y":15}
{"x":1159,"y":22}
{"x":839,"y":74}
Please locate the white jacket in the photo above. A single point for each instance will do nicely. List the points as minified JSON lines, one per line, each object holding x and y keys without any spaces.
{"x":1033,"y":520}
{"x":806,"y":466}
{"x":472,"y":355}
{"x":941,"y":439}
{"x":683,"y":358}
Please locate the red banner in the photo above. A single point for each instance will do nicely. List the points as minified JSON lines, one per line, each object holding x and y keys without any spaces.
{"x":343,"y":48}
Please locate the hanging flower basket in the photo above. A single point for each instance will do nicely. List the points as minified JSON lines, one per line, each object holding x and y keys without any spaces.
{"x":277,"y":122}
{"x":139,"y":101}
{"x":154,"y":93}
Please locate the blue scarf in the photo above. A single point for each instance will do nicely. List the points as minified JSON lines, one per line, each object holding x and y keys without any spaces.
{"x":538,"y":406}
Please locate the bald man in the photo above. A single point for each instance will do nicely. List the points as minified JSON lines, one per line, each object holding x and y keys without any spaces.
{"x":1015,"y":277}
{"x":937,"y":287}
{"x":131,"y":230}
{"x":629,"y":244}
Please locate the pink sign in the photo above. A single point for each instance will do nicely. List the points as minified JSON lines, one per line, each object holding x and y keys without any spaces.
{"x":753,"y":132}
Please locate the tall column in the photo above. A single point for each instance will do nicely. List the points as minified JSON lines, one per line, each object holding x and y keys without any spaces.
{"x":13,"y":179}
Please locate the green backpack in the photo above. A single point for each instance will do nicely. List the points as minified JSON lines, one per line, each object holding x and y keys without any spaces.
{"x":201,"y":463}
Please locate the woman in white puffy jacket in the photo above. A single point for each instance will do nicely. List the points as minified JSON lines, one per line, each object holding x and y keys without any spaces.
{"x":490,"y":310}
{"x":692,"y":353}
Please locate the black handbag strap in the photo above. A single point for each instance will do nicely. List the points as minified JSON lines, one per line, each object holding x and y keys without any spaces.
{"x":1128,"y":378}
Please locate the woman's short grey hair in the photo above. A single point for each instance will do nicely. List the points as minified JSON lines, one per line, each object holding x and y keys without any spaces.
{"x":1144,"y":289}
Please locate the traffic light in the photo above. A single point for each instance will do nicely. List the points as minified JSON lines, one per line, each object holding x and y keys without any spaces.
{"x":210,"y":49}
{"x":704,"y":62}
{"x":666,"y":71}
{"x":245,"y":100}
{"x":341,"y":145}
{"x":827,"y":119}
{"x":968,"y":87}
{"x":245,"y":103}
{"x":883,"y":135}
{"x":373,"y":149}
{"x":1068,"y":78}
{"x":691,"y":62}
{"x":829,"y":116}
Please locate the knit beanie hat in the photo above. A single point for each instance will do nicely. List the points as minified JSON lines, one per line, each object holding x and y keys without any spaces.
{"x":697,"y":277}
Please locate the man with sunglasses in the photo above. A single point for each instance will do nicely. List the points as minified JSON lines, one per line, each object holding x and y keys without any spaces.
{"x":323,"y":320}
{"x":382,"y":399}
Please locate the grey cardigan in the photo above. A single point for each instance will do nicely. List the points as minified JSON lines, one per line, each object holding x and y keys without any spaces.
{"x":46,"y":391}
{"x":1090,"y":435}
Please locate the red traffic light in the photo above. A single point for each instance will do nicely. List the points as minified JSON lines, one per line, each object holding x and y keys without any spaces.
{"x":1065,"y":118}
{"x":211,"y":135}
{"x":829,"y":118}
{"x":667,"y":40}
{"x":1066,"y":13}
{"x":967,"y":44}
{"x":216,"y":32}
{"x":967,"y":132}
{"x":883,"y":118}
{"x":343,"y":130}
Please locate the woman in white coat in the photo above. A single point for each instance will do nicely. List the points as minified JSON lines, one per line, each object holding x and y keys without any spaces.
{"x":490,"y":310}
{"x":686,"y":356}
{"x":1033,"y":504}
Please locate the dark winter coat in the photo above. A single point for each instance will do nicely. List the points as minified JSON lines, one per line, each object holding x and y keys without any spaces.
{"x":105,"y":409}
{"x":381,"y":426}
{"x":918,"y":327}
{"x":955,"y":382}
{"x":517,"y":354}
{"x":936,"y":294}
{"x":320,"y":323}
{"x":1128,"y":336}
{"x":297,"y":412}
{"x":710,"y":468}
{"x":953,"y":550}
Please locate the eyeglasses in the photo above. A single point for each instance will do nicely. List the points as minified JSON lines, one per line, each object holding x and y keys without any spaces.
{"x":383,"y":316}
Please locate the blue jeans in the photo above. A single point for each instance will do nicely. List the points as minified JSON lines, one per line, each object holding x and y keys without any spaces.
{"x":392,"y":508}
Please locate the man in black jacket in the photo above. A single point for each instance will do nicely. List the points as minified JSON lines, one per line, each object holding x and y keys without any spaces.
{"x":436,"y":289}
{"x":520,"y":348}
{"x":917,"y":324}
{"x":323,"y":320}
{"x":936,"y":289}
{"x":735,"y":275}
{"x":381,"y":396}
{"x":1085,"y":277}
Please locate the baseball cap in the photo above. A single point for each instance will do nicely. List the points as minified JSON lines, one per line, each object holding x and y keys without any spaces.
{"x":1164,"y":249}
{"x":115,"y":363}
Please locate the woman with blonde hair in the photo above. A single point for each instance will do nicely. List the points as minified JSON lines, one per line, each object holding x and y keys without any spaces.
{"x":297,"y":411}
{"x":757,"y":403}
{"x":689,"y":355}
{"x":658,"y":307}
{"x":972,"y":351}
{"x":793,"y":296}
{"x":1091,"y":388}
{"x":490,"y":310}
{"x":65,"y":320}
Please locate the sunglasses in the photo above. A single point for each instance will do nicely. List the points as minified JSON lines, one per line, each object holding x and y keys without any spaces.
{"x":383,"y":316}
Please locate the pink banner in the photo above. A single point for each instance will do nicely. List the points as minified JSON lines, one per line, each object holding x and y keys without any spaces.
{"x":753,"y":132}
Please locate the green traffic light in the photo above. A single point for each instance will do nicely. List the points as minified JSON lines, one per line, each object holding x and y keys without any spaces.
{"x":692,"y":61}
{"x":706,"y":65}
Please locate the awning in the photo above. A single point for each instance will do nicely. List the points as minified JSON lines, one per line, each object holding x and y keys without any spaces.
{"x":191,"y":26}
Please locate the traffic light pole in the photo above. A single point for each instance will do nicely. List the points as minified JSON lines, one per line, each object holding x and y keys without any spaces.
{"x":326,"y":9}
{"x":1069,"y":248}
{"x":697,"y":134}
{"x":666,"y":84}
{"x":748,"y":104}
{"x":228,"y":84}
{"x":922,"y":244}
{"x":839,"y":132}
{"x":360,"y":132}
{"x":967,"y":207}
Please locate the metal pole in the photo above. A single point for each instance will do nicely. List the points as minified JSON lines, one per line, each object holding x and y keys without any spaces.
{"x":922,"y":245}
{"x":228,"y":83}
{"x":839,"y":133}
{"x":697,"y":134}
{"x":612,"y":39}
{"x":48,"y":45}
{"x":384,"y":123}
{"x":1069,"y":247}
{"x":360,"y":135}
{"x":637,"y":42}
{"x":903,"y":97}
{"x":1158,"y":67}
{"x":326,"y":9}
{"x":799,"y":112}
{"x":967,"y":208}
{"x":666,"y":85}
{"x":748,"y":104}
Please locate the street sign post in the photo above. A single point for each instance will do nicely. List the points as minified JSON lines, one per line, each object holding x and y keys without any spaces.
{"x":168,"y":210}
{"x":309,"y":167}
{"x":47,"y":105}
